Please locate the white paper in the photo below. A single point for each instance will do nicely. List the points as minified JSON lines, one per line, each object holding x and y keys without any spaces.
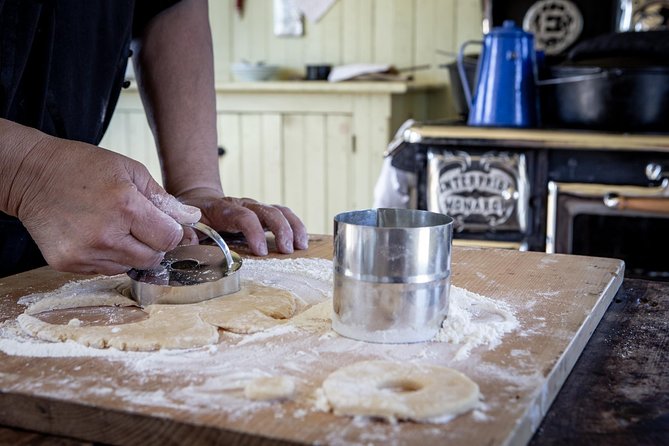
{"x":287,"y":19}
{"x":345,"y":72}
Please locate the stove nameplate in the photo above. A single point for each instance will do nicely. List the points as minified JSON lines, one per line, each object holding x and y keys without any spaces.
{"x":481,"y":192}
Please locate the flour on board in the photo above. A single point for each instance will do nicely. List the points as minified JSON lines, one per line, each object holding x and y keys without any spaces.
{"x":214,"y":377}
{"x":473,"y":320}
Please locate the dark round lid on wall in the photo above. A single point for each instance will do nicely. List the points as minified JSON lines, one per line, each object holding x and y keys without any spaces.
{"x":558,"y":25}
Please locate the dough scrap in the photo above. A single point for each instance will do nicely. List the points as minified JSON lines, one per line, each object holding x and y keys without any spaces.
{"x":392,"y":390}
{"x":314,"y":317}
{"x":254,"y":308}
{"x":268,"y":388}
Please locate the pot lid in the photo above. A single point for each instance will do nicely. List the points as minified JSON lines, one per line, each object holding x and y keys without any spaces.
{"x":509,"y":30}
{"x":650,"y":46}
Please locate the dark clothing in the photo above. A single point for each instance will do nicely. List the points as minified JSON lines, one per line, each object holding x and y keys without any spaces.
{"x":62,"y":66}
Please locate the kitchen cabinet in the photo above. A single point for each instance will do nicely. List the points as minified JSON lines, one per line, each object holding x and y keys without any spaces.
{"x":316,"y":147}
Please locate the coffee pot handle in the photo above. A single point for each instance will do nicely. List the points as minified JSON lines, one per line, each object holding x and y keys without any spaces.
{"x":461,"y":70}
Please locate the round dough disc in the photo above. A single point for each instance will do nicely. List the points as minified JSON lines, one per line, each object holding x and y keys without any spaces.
{"x":393,"y":390}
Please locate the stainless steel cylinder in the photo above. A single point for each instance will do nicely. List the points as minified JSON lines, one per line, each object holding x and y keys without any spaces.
{"x":392,"y":271}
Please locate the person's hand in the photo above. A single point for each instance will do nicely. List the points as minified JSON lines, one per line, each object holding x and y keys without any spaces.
{"x":250,"y":218}
{"x":94,"y":211}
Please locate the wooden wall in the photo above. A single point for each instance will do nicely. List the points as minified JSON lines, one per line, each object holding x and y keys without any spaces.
{"x":400,"y":32}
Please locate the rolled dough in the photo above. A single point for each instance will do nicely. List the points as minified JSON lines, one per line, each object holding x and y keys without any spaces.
{"x":392,"y":390}
{"x":254,"y":308}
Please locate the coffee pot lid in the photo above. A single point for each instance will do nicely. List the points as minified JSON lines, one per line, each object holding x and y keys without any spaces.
{"x":509,"y":29}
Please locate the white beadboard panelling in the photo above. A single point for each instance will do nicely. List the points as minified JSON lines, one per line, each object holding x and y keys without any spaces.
{"x":338,"y":166}
{"x":320,"y":47}
{"x":357,"y":32}
{"x":272,"y":158}
{"x":468,"y":22}
{"x":295,"y":164}
{"x":434,"y":31}
{"x":250,"y":176}
{"x":400,"y":32}
{"x":220,"y":20}
{"x":394,"y":32}
{"x":314,"y":185}
{"x":251,"y":32}
{"x":230,"y":164}
{"x":371,"y":129}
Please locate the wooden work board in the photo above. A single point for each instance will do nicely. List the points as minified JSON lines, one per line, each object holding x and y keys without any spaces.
{"x":557,"y":299}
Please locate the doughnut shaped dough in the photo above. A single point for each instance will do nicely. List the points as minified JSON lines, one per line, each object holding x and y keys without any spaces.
{"x":392,"y":390}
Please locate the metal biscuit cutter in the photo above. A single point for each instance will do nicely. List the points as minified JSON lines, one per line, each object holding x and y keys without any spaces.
{"x":189,"y":274}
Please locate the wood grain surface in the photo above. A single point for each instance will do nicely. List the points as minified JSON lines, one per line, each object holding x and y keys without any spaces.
{"x":558,"y":300}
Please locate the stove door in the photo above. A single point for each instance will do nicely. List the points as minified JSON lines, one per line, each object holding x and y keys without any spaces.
{"x":485,"y":192}
{"x":615,"y":221}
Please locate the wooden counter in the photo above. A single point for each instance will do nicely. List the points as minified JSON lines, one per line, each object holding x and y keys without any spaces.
{"x":469,"y":268}
{"x":615,"y":395}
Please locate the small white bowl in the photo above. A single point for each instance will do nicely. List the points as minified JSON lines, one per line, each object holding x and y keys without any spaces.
{"x":253,"y":72}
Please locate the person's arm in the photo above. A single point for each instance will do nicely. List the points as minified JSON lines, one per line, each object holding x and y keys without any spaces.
{"x":89,"y":210}
{"x":174,"y":66}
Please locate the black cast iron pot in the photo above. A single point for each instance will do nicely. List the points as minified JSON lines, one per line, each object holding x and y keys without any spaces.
{"x":619,"y":99}
{"x":630,"y":94}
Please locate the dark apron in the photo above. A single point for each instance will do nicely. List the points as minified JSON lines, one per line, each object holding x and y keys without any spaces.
{"x":62,"y":66}
{"x":18,"y":251}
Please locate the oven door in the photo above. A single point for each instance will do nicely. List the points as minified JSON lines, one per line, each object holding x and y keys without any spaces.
{"x":624,"y":222}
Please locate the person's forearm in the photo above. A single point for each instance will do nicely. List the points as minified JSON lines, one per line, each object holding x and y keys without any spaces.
{"x":17,"y":146}
{"x":174,"y":67}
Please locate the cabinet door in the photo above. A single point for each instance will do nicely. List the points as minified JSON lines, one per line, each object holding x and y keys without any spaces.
{"x":251,"y":165}
{"x":302,"y":161}
{"x":317,"y":167}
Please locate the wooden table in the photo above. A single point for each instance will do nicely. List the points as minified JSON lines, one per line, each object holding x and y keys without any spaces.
{"x":616,"y":393}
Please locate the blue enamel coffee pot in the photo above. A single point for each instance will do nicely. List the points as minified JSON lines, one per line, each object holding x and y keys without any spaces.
{"x":505,"y":94}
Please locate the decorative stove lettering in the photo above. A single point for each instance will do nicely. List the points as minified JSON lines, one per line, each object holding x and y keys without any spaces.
{"x":495,"y":182}
{"x":467,"y":206}
{"x":491,"y":195}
